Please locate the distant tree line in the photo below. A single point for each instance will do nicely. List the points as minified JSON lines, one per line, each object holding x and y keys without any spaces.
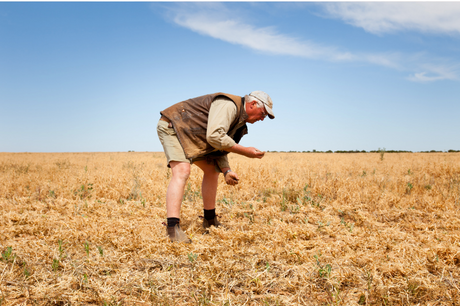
{"x":364,"y":151}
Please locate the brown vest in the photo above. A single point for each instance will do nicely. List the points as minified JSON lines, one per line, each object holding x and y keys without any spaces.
{"x":190,"y":121}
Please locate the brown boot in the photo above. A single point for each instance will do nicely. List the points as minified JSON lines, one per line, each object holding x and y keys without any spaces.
{"x":208,"y":223}
{"x":176,"y":234}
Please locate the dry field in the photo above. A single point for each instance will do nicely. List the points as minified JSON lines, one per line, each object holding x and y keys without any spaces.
{"x":304,"y":229}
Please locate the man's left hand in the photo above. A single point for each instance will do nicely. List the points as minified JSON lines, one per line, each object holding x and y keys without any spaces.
{"x":231,"y":178}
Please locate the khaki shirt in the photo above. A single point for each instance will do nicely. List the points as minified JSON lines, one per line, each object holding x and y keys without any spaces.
{"x":221,"y":115}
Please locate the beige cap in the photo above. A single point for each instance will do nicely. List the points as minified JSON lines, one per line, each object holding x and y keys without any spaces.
{"x":266,"y":100}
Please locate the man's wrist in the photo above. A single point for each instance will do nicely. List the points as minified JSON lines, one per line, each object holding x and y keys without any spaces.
{"x":225,"y":173}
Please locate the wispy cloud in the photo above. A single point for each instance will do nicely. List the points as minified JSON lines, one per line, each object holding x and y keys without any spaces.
{"x":384,"y":17}
{"x":215,"y":20}
{"x":429,"y":72}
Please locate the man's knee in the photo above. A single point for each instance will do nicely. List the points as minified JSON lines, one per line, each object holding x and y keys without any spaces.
{"x":180,"y":170}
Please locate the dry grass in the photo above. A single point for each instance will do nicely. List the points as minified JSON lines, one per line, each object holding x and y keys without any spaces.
{"x":305,"y":229}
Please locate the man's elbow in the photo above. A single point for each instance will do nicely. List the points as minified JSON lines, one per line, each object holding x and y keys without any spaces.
{"x":212,"y":141}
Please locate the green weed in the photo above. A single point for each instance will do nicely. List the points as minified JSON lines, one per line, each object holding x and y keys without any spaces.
{"x":7,"y":255}
{"x":192,"y":257}
{"x":324,"y":271}
{"x":348,"y":225}
{"x":227,"y":202}
{"x":87,"y":248}
{"x":191,"y":195}
{"x":362,"y":299}
{"x":84,"y":191}
{"x":283,"y":202}
{"x":382,"y":153}
{"x":201,"y":299}
{"x":101,"y":251}
{"x":55,"y":264}
{"x":26,"y":272}
{"x":409,"y":187}
{"x":61,"y":248}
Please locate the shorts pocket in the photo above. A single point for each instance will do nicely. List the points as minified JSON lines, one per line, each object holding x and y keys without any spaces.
{"x":163,"y":128}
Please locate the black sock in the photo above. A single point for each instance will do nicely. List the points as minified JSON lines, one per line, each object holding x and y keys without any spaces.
{"x":209,"y":214}
{"x":173,"y":221}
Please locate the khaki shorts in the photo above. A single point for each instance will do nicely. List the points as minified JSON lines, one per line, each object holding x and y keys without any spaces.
{"x":171,"y":145}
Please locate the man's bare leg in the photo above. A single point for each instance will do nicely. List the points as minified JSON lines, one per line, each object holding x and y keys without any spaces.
{"x":209,"y":192}
{"x":175,"y":193}
{"x":209,"y":184}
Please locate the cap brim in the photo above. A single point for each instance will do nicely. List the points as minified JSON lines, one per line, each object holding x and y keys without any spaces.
{"x":270,"y":112}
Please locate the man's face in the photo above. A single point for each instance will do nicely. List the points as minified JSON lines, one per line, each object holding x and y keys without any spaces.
{"x":254,"y":113}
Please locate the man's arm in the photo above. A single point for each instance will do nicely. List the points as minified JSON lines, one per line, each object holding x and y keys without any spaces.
{"x":221,"y":115}
{"x":246,"y":151}
{"x":231,"y":178}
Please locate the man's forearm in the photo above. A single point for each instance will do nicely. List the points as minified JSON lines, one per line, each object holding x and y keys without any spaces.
{"x":246,"y":151}
{"x":239,"y":149}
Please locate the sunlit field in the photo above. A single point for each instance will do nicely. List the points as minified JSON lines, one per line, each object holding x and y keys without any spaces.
{"x":303,"y":229}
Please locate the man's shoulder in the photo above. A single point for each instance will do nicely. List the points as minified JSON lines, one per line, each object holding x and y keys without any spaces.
{"x":223,"y":107}
{"x":224,"y":101}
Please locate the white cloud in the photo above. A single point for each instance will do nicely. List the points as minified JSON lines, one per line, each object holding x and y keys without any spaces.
{"x":211,"y":21}
{"x":435,"y":72}
{"x":422,"y":77}
{"x":384,"y":17}
{"x":215,"y":20}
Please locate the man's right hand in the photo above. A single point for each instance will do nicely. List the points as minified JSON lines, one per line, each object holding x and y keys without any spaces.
{"x":255,"y":153}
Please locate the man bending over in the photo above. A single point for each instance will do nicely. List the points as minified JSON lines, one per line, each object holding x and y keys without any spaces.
{"x":202,"y":131}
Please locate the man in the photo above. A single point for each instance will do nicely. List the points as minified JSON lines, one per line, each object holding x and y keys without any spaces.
{"x":203,"y":131}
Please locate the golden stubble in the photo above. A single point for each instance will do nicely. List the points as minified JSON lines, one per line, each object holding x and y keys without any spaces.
{"x":303,"y":229}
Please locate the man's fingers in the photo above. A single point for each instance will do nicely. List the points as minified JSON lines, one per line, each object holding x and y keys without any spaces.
{"x":259,"y":154}
{"x":233,"y":178}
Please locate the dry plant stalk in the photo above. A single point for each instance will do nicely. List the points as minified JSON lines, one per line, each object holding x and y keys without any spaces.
{"x":304,"y":229}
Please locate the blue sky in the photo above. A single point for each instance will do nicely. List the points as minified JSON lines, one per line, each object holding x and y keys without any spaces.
{"x":92,"y":77}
